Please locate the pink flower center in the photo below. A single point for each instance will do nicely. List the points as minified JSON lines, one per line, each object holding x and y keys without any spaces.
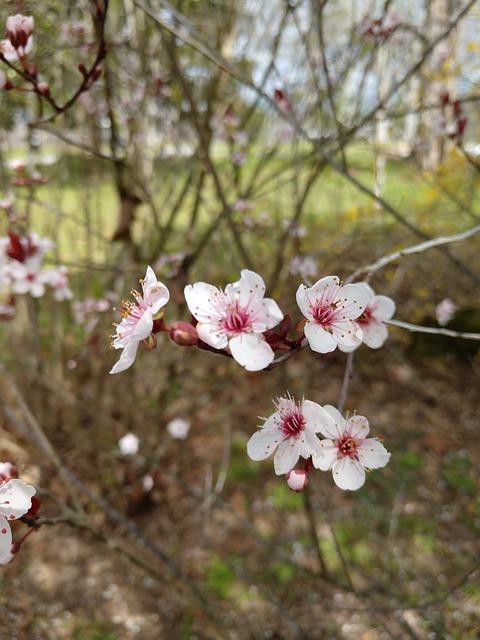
{"x":347,"y":446}
{"x":293,"y":422}
{"x":365,"y":318}
{"x":236,"y":319}
{"x":326,"y":313}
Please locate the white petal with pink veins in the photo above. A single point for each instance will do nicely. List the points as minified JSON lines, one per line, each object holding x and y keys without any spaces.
{"x":348,"y":474}
{"x":251,"y":351}
{"x":127,"y":358}
{"x":128,"y":331}
{"x":374,"y":334}
{"x":286,"y":456}
{"x":347,"y":332}
{"x":201,"y":298}
{"x":319,"y":340}
{"x":357,"y":427}
{"x":322,"y":290}
{"x":382,"y":307}
{"x":267,"y":314}
{"x":15,"y":498}
{"x":263,"y":442}
{"x":316,"y":416}
{"x":250,"y":287}
{"x":328,"y":457}
{"x":310,"y":445}
{"x":353,"y":300}
{"x":334,"y":428}
{"x":373,"y":454}
{"x":212,"y":335}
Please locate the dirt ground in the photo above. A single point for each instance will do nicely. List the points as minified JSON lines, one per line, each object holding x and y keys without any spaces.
{"x":242,"y":562}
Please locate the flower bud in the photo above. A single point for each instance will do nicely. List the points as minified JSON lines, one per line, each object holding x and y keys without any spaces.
{"x":183,"y":334}
{"x":297,"y":480}
{"x":43,"y":88}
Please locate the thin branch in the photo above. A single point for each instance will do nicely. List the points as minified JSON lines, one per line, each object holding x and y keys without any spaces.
{"x":417,"y":248}
{"x":415,"y":328}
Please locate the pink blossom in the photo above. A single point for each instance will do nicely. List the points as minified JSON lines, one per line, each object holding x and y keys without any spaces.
{"x":291,"y":431}
{"x":178,"y":428}
{"x":330,"y":309}
{"x":236,"y":318}
{"x":445,"y":311}
{"x":347,"y":451}
{"x":372,"y":320}
{"x":15,"y":500}
{"x":137,"y":322}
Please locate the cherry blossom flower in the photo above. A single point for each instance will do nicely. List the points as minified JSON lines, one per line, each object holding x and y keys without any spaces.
{"x":178,"y":428}
{"x":137,"y":322}
{"x":445,"y":311}
{"x":330,"y":309}
{"x":347,"y":451}
{"x":28,"y":277}
{"x":291,"y":431}
{"x":128,"y":444}
{"x":58,"y":280}
{"x":15,"y":500}
{"x":236,"y":318}
{"x":305,"y":267}
{"x":20,"y":37}
{"x":371,"y":322}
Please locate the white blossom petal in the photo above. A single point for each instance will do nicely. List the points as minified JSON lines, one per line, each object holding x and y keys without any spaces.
{"x":15,"y":498}
{"x":5,"y":536}
{"x":319,"y":339}
{"x":373,"y":454}
{"x":251,"y":351}
{"x":374,"y":334}
{"x":250,"y":287}
{"x":335,"y":427}
{"x":127,"y":358}
{"x":199,"y":298}
{"x":348,"y":474}
{"x":316,"y":416}
{"x":382,"y":307}
{"x":357,"y":427}
{"x":210,"y":334}
{"x":310,"y":445}
{"x":262,"y":443}
{"x":286,"y":456}
{"x":328,"y":457}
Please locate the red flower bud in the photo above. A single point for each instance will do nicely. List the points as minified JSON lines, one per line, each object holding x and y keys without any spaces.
{"x":183,"y":334}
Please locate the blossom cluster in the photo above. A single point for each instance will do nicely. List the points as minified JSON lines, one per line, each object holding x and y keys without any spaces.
{"x":239,"y":321}
{"x":292,"y":433}
{"x":22,"y":271}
